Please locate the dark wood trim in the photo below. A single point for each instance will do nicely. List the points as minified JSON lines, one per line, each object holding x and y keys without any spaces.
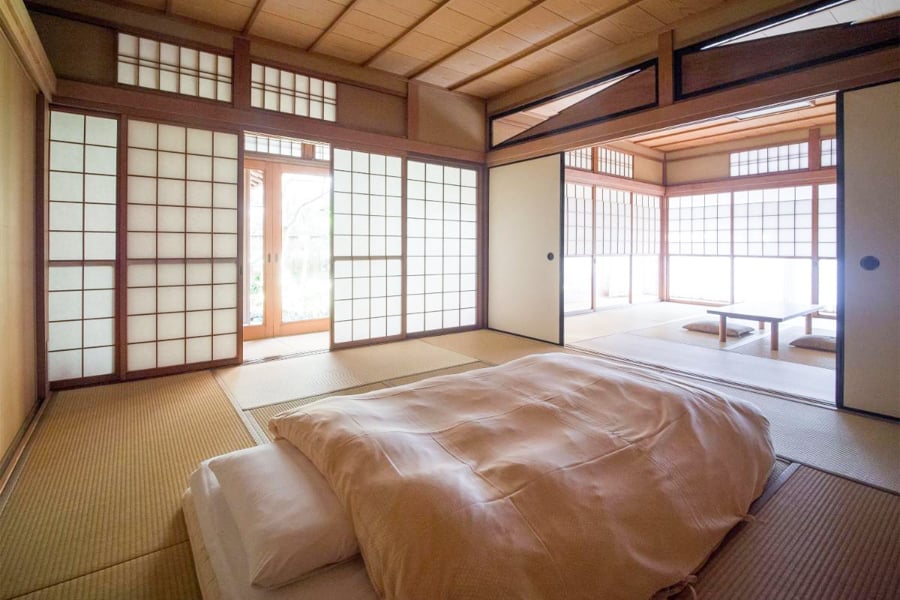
{"x":753,"y":182}
{"x":605,"y":180}
{"x":68,"y":384}
{"x":239,"y":264}
{"x":727,"y":66}
{"x":561,"y":250}
{"x":869,"y":68}
{"x":41,"y":132}
{"x":412,"y":110}
{"x":218,"y":115}
{"x":545,"y":43}
{"x":240,"y":81}
{"x":178,"y":369}
{"x":841,"y":270}
{"x":121,"y":289}
{"x":665,"y":73}
{"x":368,"y":62}
{"x":251,"y":20}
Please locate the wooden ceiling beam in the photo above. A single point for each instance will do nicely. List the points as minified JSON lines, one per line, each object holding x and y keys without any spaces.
{"x":547,"y":42}
{"x":253,"y":16}
{"x":405,"y":32}
{"x":170,"y":8}
{"x":535,"y":4}
{"x":331,"y":27}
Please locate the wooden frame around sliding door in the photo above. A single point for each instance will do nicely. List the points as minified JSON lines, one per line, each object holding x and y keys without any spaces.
{"x":272,"y":324}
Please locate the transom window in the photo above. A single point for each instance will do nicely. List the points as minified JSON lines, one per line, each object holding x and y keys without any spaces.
{"x":166,"y":67}
{"x":292,"y":93}
{"x":579,"y":159}
{"x":614,"y":162}
{"x":788,"y":157}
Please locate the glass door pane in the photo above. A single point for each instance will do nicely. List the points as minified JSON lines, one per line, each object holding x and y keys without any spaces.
{"x":255,"y":250}
{"x":305,"y":247}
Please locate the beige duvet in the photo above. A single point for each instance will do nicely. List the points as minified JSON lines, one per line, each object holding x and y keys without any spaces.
{"x":552,"y":476}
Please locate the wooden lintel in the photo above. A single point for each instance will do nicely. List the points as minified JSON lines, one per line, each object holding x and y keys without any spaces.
{"x":218,"y":115}
{"x":241,"y":72}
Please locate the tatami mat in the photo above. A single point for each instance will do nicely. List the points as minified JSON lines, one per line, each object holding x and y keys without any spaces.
{"x":164,"y":574}
{"x":278,"y":381}
{"x":491,"y":347}
{"x":814,"y":358}
{"x":675,"y":332}
{"x":627,"y":318}
{"x":820,"y":537}
{"x":103,"y":477}
{"x":789,"y":378}
{"x":286,"y":345}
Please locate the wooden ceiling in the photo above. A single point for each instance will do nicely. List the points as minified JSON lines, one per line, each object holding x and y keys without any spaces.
{"x":479,"y":47}
{"x":820,"y":113}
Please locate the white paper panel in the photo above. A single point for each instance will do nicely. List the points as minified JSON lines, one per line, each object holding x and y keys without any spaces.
{"x":66,"y":126}
{"x":64,"y":365}
{"x":170,"y":192}
{"x":170,"y":299}
{"x":141,"y":275}
{"x":141,"y":217}
{"x":141,"y":190}
{"x":224,"y":346}
{"x":141,"y":301}
{"x":225,"y":273}
{"x":66,"y":157}
{"x":100,"y":189}
{"x":199,"y":142}
{"x":101,"y":131}
{"x":170,"y":274}
{"x":171,"y":165}
{"x":99,"y":217}
{"x":199,"y":297}
{"x":199,"y":220}
{"x":170,"y":326}
{"x":141,"y":134}
{"x":170,"y":218}
{"x":170,"y":245}
{"x":198,"y":349}
{"x":99,"y":361}
{"x":225,"y":144}
{"x":141,"y":328}
{"x":224,"y":245}
{"x":100,"y":160}
{"x":198,"y":273}
{"x":99,"y":304}
{"x":198,"y":323}
{"x":141,"y":162}
{"x":66,"y":187}
{"x":224,"y":321}
{"x":65,"y":245}
{"x":199,"y":245}
{"x":141,"y":356}
{"x":199,"y":193}
{"x":225,"y":295}
{"x":224,"y":221}
{"x":225,"y":195}
{"x":171,"y":138}
{"x":65,"y":335}
{"x":66,"y":216}
{"x":199,"y":168}
{"x":99,"y":332}
{"x":99,"y":246}
{"x":65,"y":278}
{"x":170,"y":353}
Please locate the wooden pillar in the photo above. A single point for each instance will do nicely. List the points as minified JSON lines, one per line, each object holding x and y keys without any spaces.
{"x":240,"y":86}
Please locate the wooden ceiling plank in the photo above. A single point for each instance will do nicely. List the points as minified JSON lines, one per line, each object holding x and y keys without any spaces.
{"x":334,"y":23}
{"x":746,"y":134}
{"x":418,"y":72}
{"x":406,"y":32}
{"x":253,"y":16}
{"x":546,"y":43}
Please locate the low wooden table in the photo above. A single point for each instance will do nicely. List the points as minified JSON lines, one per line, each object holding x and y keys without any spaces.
{"x":765,"y":312}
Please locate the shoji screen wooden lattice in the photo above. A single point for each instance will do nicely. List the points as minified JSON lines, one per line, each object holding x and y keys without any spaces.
{"x":182,"y":246}
{"x":82,"y":246}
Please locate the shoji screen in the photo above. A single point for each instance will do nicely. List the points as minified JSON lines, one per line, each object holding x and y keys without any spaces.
{"x":441,"y":234}
{"x":82,"y":246}
{"x":182,"y":247}
{"x":367,"y":246}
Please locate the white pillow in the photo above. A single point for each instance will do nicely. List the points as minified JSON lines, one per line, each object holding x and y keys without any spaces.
{"x":289,"y":520}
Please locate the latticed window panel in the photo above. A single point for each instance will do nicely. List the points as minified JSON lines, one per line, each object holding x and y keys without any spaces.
{"x":182,"y":246}
{"x":155,"y":65}
{"x":700,"y":225}
{"x":829,"y":152}
{"x":286,"y":146}
{"x":292,"y":93}
{"x":646,"y":213}
{"x":82,"y":246}
{"x":788,"y":157}
{"x":828,"y":221}
{"x":613,"y":162}
{"x":773,"y":222}
{"x":442,"y":241}
{"x":612,"y":222}
{"x":368,"y":245}
{"x":580,"y":159}
{"x":579,"y":226}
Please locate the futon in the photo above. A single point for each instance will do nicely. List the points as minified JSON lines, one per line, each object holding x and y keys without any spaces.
{"x":553,"y":476}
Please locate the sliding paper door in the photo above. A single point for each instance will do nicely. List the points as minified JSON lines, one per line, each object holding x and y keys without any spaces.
{"x":525,"y":248}
{"x":182,"y":247}
{"x":869,"y":359}
{"x":367,"y":245}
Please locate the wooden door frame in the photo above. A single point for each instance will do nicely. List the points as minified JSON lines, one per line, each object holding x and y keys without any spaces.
{"x":272,"y":326}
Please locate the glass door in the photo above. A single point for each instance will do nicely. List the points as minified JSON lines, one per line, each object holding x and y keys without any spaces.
{"x":287,"y":285}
